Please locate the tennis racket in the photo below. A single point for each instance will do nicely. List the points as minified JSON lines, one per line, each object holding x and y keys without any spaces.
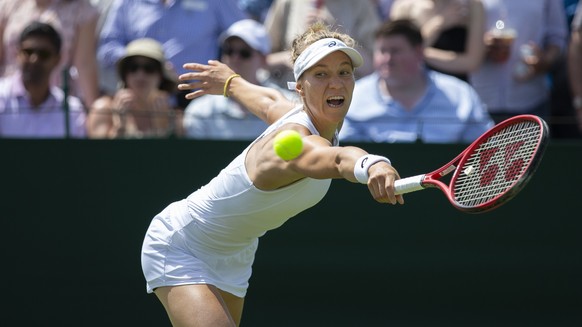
{"x":490,"y":171}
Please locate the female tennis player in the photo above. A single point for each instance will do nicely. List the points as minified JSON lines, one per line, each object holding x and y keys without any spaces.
{"x":198,"y":252}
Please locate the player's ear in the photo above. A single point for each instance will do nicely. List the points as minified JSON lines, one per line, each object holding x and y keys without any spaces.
{"x":299,"y":89}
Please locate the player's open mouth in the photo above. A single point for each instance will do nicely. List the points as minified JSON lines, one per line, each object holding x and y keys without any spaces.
{"x":335,"y":101}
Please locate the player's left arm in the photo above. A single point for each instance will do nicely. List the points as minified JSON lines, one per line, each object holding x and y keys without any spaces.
{"x":217,"y":78}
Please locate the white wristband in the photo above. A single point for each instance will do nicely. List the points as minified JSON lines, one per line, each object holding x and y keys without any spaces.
{"x":364,"y":163}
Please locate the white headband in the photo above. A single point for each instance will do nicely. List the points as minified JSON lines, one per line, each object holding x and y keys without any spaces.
{"x":319,"y":49}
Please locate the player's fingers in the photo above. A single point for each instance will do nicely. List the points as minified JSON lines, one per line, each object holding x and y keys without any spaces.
{"x":190,"y":76}
{"x":400,"y":199}
{"x":195,"y":66}
{"x":379,"y":191}
{"x":191,"y":86}
{"x":195,"y":94}
{"x":389,"y":190}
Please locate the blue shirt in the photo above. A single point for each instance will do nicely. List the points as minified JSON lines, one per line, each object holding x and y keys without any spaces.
{"x":187,"y":29}
{"x":18,"y":118}
{"x":449,"y":112}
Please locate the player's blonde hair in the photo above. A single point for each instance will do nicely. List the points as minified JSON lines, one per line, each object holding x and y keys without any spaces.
{"x":315,"y":32}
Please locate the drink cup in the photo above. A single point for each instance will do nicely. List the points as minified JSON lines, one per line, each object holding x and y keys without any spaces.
{"x":499,"y":43}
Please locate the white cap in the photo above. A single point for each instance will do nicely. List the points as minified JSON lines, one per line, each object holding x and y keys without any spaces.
{"x":317,"y":51}
{"x":252,"y":32}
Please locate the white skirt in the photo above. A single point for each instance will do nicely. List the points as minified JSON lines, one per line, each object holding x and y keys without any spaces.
{"x":174,"y":253}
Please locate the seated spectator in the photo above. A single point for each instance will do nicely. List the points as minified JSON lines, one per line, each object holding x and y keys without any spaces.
{"x":402,"y":101}
{"x":75,"y":21}
{"x":452,"y":30}
{"x":245,"y":46}
{"x":29,"y":106}
{"x":144,"y":106}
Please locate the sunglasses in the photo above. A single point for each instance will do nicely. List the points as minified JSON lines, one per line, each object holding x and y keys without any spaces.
{"x":148,"y":68}
{"x":242,"y":53}
{"x":42,"y":54}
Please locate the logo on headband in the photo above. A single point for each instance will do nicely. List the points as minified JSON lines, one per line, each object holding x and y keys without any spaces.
{"x":332,"y":44}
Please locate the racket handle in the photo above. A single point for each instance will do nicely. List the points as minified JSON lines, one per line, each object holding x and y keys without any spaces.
{"x":409,"y":184}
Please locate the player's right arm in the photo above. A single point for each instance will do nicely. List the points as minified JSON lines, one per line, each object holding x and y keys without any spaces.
{"x":318,"y":160}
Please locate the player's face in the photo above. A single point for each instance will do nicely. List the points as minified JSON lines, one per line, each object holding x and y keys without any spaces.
{"x":396,"y":60}
{"x":37,"y":58}
{"x":326,"y":88}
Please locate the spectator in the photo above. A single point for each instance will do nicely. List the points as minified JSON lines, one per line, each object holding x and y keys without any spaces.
{"x":287,"y":19}
{"x":76,"y":22}
{"x":402,"y":101}
{"x":452,"y":31}
{"x":143,"y":107}
{"x":575,"y":64}
{"x":245,"y":46}
{"x":561,"y":101}
{"x":188,"y":30}
{"x":30,"y":106}
{"x":516,"y":82}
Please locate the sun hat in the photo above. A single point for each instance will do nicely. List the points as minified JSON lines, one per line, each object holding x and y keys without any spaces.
{"x":252,"y":32}
{"x":317,"y":51}
{"x":152,"y":49}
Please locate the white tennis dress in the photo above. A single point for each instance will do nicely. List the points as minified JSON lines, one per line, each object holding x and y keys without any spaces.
{"x":211,"y":236}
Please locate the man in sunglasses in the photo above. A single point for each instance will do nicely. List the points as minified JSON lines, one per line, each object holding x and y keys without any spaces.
{"x":244,"y":47}
{"x":29,"y":106}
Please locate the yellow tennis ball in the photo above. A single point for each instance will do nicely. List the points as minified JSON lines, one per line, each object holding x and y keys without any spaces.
{"x":288,"y":144}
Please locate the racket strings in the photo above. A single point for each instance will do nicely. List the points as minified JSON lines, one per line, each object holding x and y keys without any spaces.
{"x":496,"y":164}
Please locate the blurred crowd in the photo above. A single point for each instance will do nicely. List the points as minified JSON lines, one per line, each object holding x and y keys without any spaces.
{"x":435,"y":71}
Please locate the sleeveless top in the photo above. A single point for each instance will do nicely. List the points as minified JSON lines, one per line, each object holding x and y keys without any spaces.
{"x":232,"y":213}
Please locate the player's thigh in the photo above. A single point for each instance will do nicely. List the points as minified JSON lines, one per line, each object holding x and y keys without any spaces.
{"x":235,"y":305}
{"x":195,"y":305}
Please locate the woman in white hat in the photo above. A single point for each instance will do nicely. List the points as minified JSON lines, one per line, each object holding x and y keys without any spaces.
{"x":198,"y":252}
{"x":143,"y":105}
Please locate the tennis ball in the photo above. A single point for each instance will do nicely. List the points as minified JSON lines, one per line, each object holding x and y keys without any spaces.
{"x":288,"y":144}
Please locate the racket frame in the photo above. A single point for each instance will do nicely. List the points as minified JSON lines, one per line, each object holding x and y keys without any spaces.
{"x":432,"y":179}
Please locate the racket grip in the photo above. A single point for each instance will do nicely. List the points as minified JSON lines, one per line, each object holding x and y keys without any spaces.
{"x":409,"y":184}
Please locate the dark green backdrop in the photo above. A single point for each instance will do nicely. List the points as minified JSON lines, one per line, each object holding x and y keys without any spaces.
{"x":74,"y":214}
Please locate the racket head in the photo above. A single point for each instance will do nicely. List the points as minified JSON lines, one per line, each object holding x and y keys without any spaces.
{"x":496,"y":166}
